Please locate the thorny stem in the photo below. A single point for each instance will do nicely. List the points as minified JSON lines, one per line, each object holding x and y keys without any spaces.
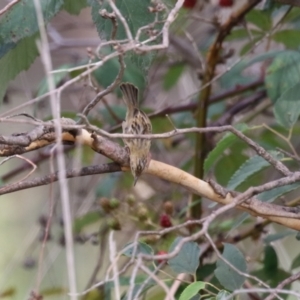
{"x":201,"y":114}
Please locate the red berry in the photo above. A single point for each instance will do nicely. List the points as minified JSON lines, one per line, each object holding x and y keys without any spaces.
{"x":165,"y":221}
{"x":161,"y":253}
{"x":189,"y":3}
{"x":225,"y":3}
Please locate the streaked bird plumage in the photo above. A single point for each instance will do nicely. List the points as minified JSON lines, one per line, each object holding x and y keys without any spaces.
{"x":136,"y":122}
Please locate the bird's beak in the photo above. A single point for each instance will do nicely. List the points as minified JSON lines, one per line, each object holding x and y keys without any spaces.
{"x":135,"y":180}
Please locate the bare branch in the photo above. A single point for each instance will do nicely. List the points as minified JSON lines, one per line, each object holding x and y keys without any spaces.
{"x":260,"y":290}
{"x":282,"y":284}
{"x":108,"y":90}
{"x":284,"y":215}
{"x":112,"y":150}
{"x":290,"y":2}
{"x":86,"y":138}
{"x":121,"y":18}
{"x":220,"y":256}
{"x":33,"y":165}
{"x":111,"y":16}
{"x":48,"y":179}
{"x":8,"y":6}
{"x":257,"y":148}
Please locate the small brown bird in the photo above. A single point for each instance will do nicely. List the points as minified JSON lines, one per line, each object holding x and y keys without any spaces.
{"x":136,"y":122}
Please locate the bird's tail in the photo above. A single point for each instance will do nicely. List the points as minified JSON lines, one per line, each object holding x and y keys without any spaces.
{"x":130,"y":94}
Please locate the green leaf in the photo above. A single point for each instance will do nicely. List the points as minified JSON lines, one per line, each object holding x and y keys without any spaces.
{"x":270,"y":5}
{"x":242,"y":33}
{"x":282,"y":73}
{"x":141,"y":248}
{"x":223,"y":295}
{"x":137,"y":290}
{"x":250,"y":167}
{"x":282,"y":83}
{"x":235,"y":76}
{"x":74,"y":7}
{"x":192,"y":290}
{"x":259,"y":18}
{"x":288,"y":37}
{"x":222,"y":145}
{"x":205,"y":271}
{"x":18,"y":33}
{"x":143,"y":282}
{"x":125,"y":280}
{"x":236,"y":72}
{"x":292,"y":16}
{"x":106,"y":116}
{"x":187,"y":260}
{"x":287,"y":108}
{"x":137,"y":15}
{"x":270,"y":260}
{"x":269,"y":140}
{"x":242,"y":219}
{"x":296,"y":262}
{"x":18,"y":59}
{"x":227,"y":165}
{"x":172,"y":76}
{"x":237,"y":34}
{"x":86,"y":220}
{"x":238,"y":221}
{"x":20,"y":22}
{"x":278,"y":236}
{"x":57,"y":78}
{"x":273,"y":279}
{"x":249,"y":46}
{"x":54,"y":291}
{"x":215,"y":110}
{"x":264,"y":56}
{"x":106,"y":74}
{"x":181,"y":119}
{"x":228,"y":277}
{"x":271,"y":195}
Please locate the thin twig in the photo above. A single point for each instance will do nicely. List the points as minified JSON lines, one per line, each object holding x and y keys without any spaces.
{"x":48,"y":179}
{"x":111,"y":16}
{"x":8,"y":6}
{"x":108,"y":90}
{"x":112,"y":254}
{"x":79,"y":136}
{"x":221,"y":257}
{"x":192,"y":106}
{"x":209,"y":77}
{"x":282,"y":284}
{"x":102,"y":234}
{"x":31,"y":163}
{"x":257,"y":148}
{"x":47,"y":228}
{"x":238,"y":107}
{"x":261,"y":290}
{"x":55,"y":107}
{"x":160,"y":282}
{"x":122,"y":19}
{"x":37,"y":159}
